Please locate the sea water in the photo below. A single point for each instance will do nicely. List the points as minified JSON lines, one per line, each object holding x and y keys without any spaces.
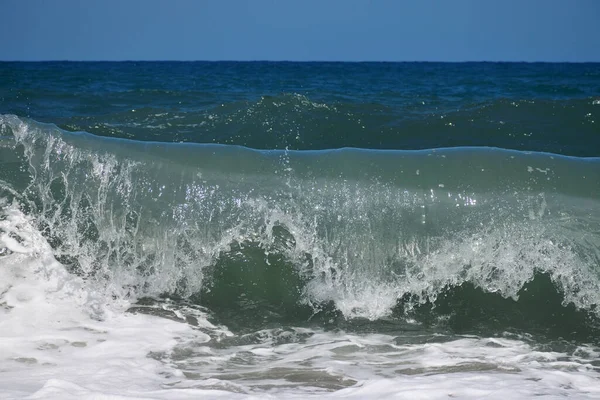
{"x":299,"y":230}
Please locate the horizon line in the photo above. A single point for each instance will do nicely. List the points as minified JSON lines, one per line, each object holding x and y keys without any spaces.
{"x":304,"y":61}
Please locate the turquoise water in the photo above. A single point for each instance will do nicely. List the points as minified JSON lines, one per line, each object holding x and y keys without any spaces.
{"x":418,"y":200}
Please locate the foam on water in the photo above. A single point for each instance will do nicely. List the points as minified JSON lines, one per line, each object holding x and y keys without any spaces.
{"x":61,"y":337}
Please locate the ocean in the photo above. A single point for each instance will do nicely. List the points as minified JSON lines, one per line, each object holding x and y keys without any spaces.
{"x":184,"y":230}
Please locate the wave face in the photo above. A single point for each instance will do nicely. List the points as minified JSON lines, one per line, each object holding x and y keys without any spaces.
{"x":482,"y":238}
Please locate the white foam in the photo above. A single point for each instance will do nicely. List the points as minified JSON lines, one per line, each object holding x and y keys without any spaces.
{"x":374,"y":366}
{"x":59,"y":340}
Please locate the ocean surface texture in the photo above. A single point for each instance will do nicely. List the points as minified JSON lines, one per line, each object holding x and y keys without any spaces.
{"x":299,"y":230}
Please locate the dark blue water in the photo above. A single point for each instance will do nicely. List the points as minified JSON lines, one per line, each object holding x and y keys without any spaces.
{"x":482,"y":214}
{"x":537,"y":107}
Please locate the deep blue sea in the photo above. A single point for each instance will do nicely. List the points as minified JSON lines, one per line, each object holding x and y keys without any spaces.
{"x":282,"y":229}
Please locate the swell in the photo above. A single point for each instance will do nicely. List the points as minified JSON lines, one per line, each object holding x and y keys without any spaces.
{"x":296,"y":232}
{"x":294,"y":121}
{"x":522,"y":110}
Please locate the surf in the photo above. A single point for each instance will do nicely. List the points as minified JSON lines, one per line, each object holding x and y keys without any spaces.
{"x":361,"y":234}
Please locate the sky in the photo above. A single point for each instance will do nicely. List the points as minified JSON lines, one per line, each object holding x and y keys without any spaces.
{"x":301,"y":30}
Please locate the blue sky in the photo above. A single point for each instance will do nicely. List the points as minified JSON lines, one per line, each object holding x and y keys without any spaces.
{"x":336,"y":30}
